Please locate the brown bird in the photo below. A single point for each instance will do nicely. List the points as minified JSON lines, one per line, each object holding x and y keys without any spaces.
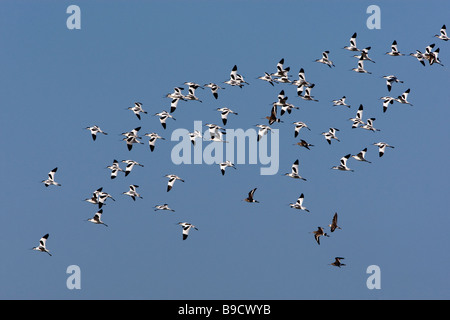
{"x":333,"y":226}
{"x":273,"y":116}
{"x":337,"y":262}
{"x":304,"y":144}
{"x":318,"y":233}
{"x":250,"y":196}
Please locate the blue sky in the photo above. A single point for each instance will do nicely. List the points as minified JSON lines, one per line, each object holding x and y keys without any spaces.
{"x":55,"y":82}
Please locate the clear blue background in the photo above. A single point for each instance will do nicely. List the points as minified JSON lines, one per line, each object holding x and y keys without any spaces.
{"x":55,"y":82}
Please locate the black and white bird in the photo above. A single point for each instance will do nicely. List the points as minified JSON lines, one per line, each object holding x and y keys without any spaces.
{"x":304,"y":144}
{"x":235,"y":78}
{"x":294,"y":171}
{"x":390,"y":80}
{"x":352,"y":46}
{"x":360,"y":67}
{"x":186,"y":227}
{"x":361,"y":156}
{"x":153,"y":138}
{"x":319,"y":233}
{"x":443,"y":34}
{"x":130,"y":141}
{"x":224,"y":112}
{"x":214,"y":88}
{"x":298,"y":126}
{"x":307,"y":95}
{"x":382,"y":147}
{"x":97,"y":219}
{"x":132,"y":192}
{"x":42,"y":245}
{"x":250,"y":197}
{"x":281,"y":71}
{"x":173,"y":105}
{"x":176,"y":94}
{"x":394,"y":50}
{"x":404,"y":97}
{"x":194,"y":135}
{"x":343,"y":164}
{"x":357,"y":120}
{"x":337,"y":262}
{"x":419,"y":56}
{"x":288,"y":107}
{"x":364,"y":55}
{"x":172,"y":179}
{"x":163,"y":116}
{"x":130,"y":166}
{"x":267,"y":77}
{"x":137,"y":109}
{"x":50,"y":181}
{"x":340,"y":102}
{"x":133,"y":133}
{"x":191,"y":93}
{"x":94,"y":130}
{"x":331,"y":134}
{"x":325,"y":60}
{"x":386,"y":102}
{"x":368,"y":125}
{"x":215,"y":131}
{"x":299,"y":204}
{"x":263,"y":130}
{"x":224,"y":165}
{"x":334,"y":225}
{"x":115,"y":168}
{"x":301,"y":81}
{"x":164,"y":206}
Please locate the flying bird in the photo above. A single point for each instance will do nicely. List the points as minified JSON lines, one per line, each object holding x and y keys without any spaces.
{"x":333,"y":226}
{"x":186,"y":227}
{"x":404,"y":97}
{"x":331,"y":134}
{"x":298,"y":126}
{"x":325,"y":59}
{"x":390,"y":80}
{"x":172,"y":179}
{"x":214,"y":88}
{"x":294,"y":171}
{"x":382,"y":147}
{"x":337,"y":262}
{"x":361,"y":156}
{"x":94,"y":130}
{"x":163,"y":116}
{"x":224,"y":112}
{"x":132,"y":192}
{"x":164,"y":206}
{"x":137,"y":109}
{"x":369,"y":125}
{"x":352,"y":46}
{"x":115,"y":168}
{"x":340,"y":102}
{"x":394,"y":51}
{"x":42,"y":243}
{"x":343,"y":164}
{"x":318,"y":233}
{"x":153,"y":138}
{"x":443,"y":34}
{"x":304,"y":144}
{"x":224,"y":165}
{"x":299,"y":204}
{"x":50,"y":181}
{"x":250,"y":197}
{"x":357,"y":120}
{"x":130,"y":166}
{"x":97,"y":219}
